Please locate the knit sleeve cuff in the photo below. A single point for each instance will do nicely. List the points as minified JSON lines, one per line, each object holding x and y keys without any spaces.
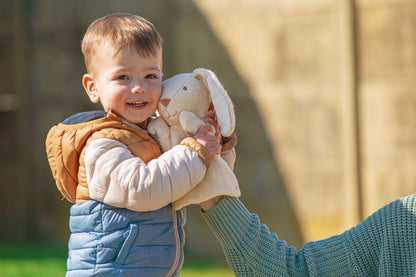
{"x":230,"y":221}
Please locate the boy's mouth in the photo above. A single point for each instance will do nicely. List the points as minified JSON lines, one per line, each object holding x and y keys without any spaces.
{"x":137,"y":103}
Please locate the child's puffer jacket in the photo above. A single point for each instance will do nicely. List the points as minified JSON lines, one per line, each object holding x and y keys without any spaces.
{"x":113,"y":233}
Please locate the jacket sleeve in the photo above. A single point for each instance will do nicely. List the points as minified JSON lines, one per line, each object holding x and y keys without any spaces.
{"x":251,"y":250}
{"x":118,"y":178}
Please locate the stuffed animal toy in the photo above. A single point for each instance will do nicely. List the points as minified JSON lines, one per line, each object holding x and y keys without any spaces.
{"x":183,"y":109}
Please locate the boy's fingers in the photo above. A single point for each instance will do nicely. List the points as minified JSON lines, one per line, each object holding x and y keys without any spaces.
{"x":211,"y":114}
{"x":204,"y":129}
{"x":211,"y":107}
{"x":214,"y":123}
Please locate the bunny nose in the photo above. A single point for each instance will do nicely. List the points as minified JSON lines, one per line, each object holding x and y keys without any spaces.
{"x":165,"y":101}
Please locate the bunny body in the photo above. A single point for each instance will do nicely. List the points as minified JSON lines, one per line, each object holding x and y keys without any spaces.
{"x":183,"y":109}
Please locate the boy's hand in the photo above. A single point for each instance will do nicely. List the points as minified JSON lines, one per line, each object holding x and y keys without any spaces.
{"x":227,"y":143}
{"x":212,"y":117}
{"x":212,"y":143}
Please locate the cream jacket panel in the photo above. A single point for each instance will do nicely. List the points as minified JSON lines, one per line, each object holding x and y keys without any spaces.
{"x":119,"y":179}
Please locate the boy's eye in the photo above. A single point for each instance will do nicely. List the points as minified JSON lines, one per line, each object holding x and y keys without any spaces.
{"x":152,"y":76}
{"x":123,"y":77}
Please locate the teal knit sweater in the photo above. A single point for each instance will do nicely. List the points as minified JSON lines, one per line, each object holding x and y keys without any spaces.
{"x":382,"y":245}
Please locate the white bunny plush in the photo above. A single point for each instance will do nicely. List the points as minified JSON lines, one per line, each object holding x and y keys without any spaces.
{"x":183,"y":109}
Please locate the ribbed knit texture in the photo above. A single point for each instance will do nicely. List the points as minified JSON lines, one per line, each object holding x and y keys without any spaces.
{"x":382,"y":245}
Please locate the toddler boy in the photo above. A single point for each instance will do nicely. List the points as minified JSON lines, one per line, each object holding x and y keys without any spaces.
{"x":122,"y":223}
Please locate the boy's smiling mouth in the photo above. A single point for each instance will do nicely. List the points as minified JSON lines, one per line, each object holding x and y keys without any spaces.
{"x":137,"y":103}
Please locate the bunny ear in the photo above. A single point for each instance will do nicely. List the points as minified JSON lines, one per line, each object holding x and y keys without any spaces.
{"x":222,"y":102}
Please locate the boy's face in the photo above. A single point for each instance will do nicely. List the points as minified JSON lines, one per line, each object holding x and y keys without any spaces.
{"x":126,"y":83}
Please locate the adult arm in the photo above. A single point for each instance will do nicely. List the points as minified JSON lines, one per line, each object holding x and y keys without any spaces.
{"x":383,"y":244}
{"x":251,"y":250}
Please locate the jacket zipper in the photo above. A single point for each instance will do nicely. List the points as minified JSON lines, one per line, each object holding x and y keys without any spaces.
{"x":178,"y":244}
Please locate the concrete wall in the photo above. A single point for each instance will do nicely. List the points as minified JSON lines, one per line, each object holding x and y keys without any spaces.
{"x":322,"y":91}
{"x":332,"y":81}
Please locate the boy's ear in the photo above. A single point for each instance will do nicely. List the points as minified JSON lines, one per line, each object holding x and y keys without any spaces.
{"x":90,"y":87}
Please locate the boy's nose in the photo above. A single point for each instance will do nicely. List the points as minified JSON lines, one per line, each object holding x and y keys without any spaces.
{"x":138,"y":89}
{"x":165,"y":101}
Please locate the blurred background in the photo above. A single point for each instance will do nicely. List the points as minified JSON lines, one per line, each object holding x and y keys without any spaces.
{"x":323,"y":92}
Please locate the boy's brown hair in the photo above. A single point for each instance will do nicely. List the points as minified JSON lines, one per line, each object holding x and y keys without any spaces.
{"x":120,"y":30}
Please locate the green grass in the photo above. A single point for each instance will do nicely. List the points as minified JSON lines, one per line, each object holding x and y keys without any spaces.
{"x":200,"y":267}
{"x":42,"y":260}
{"x":32,"y":259}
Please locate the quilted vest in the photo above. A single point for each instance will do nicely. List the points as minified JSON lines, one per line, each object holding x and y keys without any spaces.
{"x":109,"y":241}
{"x":105,"y":240}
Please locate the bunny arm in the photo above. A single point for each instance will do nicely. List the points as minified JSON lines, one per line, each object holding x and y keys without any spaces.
{"x":191,"y":123}
{"x":160,"y":130}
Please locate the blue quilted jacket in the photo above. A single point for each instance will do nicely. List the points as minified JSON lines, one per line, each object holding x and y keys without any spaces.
{"x":109,"y":241}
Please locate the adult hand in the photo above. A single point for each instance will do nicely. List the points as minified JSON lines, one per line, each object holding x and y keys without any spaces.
{"x":206,"y":206}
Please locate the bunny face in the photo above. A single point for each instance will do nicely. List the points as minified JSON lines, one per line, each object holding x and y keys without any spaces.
{"x":183,"y":92}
